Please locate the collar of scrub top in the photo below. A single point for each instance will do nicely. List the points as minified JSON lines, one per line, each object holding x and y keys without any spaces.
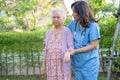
{"x":83,"y":31}
{"x":82,"y":34}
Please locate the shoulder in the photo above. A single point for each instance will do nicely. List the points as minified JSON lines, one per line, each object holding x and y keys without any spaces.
{"x":94,"y":27}
{"x":66,"y":29}
{"x":71,"y":24}
{"x":93,"y":24}
{"x":73,"y":21}
{"x":48,"y":32}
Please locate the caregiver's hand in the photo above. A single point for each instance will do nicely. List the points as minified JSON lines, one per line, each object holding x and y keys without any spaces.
{"x":72,"y":51}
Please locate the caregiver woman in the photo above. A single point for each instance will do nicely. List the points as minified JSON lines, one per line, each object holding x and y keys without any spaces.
{"x":85,"y":57}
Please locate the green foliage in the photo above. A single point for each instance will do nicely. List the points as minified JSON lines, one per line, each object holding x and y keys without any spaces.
{"x":107,"y":28}
{"x":25,"y":14}
{"x":109,"y":8}
{"x":67,"y":21}
{"x":28,"y":41}
{"x":16,"y":9}
{"x":96,"y":5}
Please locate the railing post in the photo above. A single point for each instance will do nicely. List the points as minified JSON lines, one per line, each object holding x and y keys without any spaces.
{"x":114,"y":43}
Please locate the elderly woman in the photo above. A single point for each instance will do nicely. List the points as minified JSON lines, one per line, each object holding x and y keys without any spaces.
{"x":57,"y":41}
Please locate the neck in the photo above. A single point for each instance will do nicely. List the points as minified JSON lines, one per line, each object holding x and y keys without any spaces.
{"x":57,"y":29}
{"x":79,"y":24}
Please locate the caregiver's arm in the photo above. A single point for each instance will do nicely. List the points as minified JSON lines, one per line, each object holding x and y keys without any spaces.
{"x":91,"y":46}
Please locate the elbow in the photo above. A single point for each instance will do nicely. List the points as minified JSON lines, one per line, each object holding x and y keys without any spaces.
{"x":95,"y":46}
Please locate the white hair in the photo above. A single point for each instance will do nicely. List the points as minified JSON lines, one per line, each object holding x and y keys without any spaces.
{"x":58,"y":9}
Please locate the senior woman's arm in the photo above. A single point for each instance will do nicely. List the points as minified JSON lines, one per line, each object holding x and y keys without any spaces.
{"x":69,"y":39}
{"x":69,"y":46}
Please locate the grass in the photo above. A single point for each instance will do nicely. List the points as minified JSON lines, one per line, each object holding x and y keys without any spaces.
{"x":36,"y":78}
{"x":104,"y":78}
{"x":18,"y":78}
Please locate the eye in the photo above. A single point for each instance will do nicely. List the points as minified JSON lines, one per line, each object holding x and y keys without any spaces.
{"x":57,"y":17}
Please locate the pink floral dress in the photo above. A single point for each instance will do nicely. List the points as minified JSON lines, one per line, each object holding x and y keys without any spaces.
{"x":54,"y":60}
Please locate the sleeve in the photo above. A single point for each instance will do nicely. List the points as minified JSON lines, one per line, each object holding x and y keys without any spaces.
{"x":94,"y":32}
{"x":69,"y":39}
{"x":70,"y":25}
{"x":45,"y":42}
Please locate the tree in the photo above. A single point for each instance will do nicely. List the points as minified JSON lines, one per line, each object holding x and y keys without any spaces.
{"x":27,"y":14}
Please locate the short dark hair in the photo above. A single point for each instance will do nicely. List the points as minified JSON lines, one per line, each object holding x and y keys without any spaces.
{"x":84,"y":12}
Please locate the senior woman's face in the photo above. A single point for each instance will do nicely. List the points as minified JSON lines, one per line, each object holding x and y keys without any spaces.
{"x":57,"y":18}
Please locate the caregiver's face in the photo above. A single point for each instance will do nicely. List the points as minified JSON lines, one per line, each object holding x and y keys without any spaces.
{"x":75,"y":14}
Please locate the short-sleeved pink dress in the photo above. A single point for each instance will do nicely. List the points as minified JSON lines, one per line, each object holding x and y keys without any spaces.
{"x":54,"y":60}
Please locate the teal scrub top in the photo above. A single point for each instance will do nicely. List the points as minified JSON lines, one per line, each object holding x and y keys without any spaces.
{"x":82,"y":37}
